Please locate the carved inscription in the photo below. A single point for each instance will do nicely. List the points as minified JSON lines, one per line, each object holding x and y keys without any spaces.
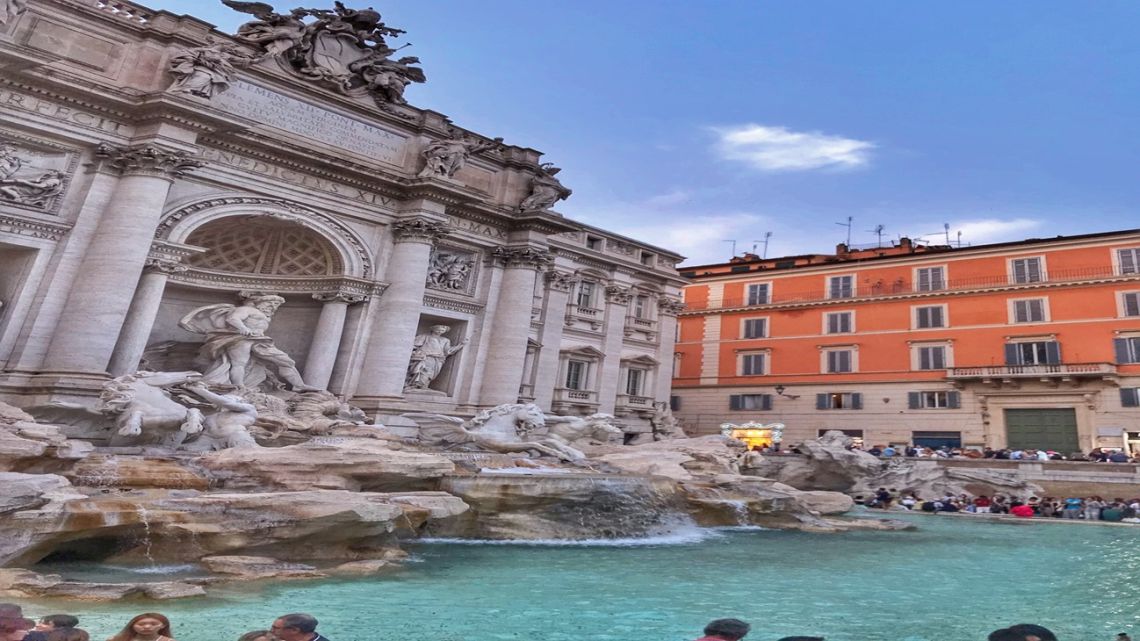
{"x":295,"y":177}
{"x":32,"y":104}
{"x":304,"y":119}
{"x":476,"y":227}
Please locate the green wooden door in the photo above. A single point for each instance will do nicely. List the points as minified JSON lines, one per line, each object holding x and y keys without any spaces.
{"x":1051,"y":429}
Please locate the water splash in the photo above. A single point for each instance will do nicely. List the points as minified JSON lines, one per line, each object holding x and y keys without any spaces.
{"x":184,"y":568}
{"x":681,"y":533}
{"x":148,"y":542}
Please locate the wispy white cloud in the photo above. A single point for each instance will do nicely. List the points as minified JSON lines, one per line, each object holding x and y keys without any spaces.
{"x":670,"y":198}
{"x":994,"y":230}
{"x":776,"y":149}
{"x":700,"y":237}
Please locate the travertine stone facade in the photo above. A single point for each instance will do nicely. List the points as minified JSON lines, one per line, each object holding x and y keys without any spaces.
{"x":151,"y":167}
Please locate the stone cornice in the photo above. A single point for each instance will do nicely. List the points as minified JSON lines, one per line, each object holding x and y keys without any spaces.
{"x":558,"y":280}
{"x":166,"y":257}
{"x":339,"y":297}
{"x":618,"y":295}
{"x":670,"y":306}
{"x":440,"y":302}
{"x":280,"y":284}
{"x":147,"y":160}
{"x":33,"y":228}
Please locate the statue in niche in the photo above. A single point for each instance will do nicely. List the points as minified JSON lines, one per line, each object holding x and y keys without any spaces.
{"x":37,"y":192}
{"x":449,"y":271}
{"x":273,"y":32}
{"x":444,"y":158}
{"x":205,"y":71}
{"x":430,"y":352}
{"x":237,"y":348}
{"x":545,"y":190}
{"x":10,"y":9}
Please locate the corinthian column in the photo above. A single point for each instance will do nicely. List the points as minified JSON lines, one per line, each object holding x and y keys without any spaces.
{"x":385,"y":362}
{"x":507,"y":347}
{"x":102,"y":293}
{"x":667,"y":310}
{"x":558,"y":285}
{"x":141,"y":315}
{"x":609,"y":385}
{"x":326,"y":339}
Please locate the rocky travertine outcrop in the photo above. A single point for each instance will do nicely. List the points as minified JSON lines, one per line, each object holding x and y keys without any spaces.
{"x":338,"y":463}
{"x":27,"y":446}
{"x":25,"y":584}
{"x":679,"y":459}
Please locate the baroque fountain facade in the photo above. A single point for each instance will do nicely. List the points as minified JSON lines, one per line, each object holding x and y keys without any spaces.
{"x":256,"y":306}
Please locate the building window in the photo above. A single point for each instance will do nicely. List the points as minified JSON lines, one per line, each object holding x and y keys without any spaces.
{"x":758,"y":294}
{"x":594,"y":243}
{"x":839,"y":361}
{"x":641,"y":306}
{"x":753,"y":364}
{"x":762,"y":402}
{"x":576,"y":372}
{"x":634,"y":382}
{"x":1031,"y":310}
{"x":1127,"y":349}
{"x":675,"y":403}
{"x":1130,"y":397}
{"x":841,"y":287}
{"x":839,"y":401}
{"x":1130,"y":303}
{"x":929,"y":279}
{"x":930,"y":357}
{"x":933,"y":400}
{"x":1129,"y":260}
{"x":586,"y":291}
{"x":839,"y":322}
{"x":929,"y":317}
{"x":1033,"y":353}
{"x":1027,"y":270}
{"x":647,"y":259}
{"x":755,"y":328}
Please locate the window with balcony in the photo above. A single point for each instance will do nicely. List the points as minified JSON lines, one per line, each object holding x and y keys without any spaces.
{"x":1129,"y":260}
{"x":929,"y":279}
{"x":839,"y":322}
{"x":929,"y":317}
{"x":576,"y":373}
{"x":753,"y":364}
{"x":1030,"y":310}
{"x":761,"y":402}
{"x":933,"y":400}
{"x":1033,"y":353}
{"x":754,"y":328}
{"x":839,"y":401}
{"x":641,"y":306}
{"x":841,"y":287}
{"x":1027,"y":270}
{"x":758,"y":294}
{"x":1130,"y":303}
{"x":587,"y":291}
{"x":635,"y":381}
{"x":839,"y":361}
{"x":1127,"y":349}
{"x":928,"y":357}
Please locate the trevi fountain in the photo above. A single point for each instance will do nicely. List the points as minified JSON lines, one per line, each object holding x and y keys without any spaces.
{"x":272,"y":339}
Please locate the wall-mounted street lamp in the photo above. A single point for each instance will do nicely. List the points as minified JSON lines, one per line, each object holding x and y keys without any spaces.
{"x":780,"y":391}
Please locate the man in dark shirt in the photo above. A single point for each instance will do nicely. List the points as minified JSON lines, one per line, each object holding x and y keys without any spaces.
{"x":296,"y":627}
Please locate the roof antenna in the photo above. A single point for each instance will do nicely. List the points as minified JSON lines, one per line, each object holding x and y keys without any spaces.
{"x":878,"y":231}
{"x":946,"y":226}
{"x":733,"y":246}
{"x":767,"y":235}
{"x":848,"y":226}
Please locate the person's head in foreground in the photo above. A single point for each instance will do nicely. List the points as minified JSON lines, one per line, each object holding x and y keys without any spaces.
{"x":295,"y":627}
{"x":727,"y":629}
{"x":1022,"y":632}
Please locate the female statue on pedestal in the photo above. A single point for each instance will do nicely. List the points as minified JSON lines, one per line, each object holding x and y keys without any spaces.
{"x":430,"y":352}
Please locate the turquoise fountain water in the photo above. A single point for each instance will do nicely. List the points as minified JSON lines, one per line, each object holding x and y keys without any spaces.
{"x":954,"y":579}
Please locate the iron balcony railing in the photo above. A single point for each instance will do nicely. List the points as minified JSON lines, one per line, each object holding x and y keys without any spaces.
{"x":882,"y":288}
{"x":1033,"y":371}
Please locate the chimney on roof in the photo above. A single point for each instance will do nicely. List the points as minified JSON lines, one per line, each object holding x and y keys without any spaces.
{"x":841,"y":249}
{"x":906,"y":243}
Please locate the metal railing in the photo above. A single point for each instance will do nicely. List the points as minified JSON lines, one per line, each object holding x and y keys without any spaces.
{"x":883,"y":288}
{"x":1035,"y":371}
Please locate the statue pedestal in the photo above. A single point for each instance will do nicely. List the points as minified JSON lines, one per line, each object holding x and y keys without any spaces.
{"x":429,"y":395}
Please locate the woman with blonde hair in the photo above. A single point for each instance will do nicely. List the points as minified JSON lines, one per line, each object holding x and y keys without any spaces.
{"x":149,"y":626}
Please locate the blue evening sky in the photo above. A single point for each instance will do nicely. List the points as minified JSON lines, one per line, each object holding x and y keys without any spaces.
{"x":689,"y":123}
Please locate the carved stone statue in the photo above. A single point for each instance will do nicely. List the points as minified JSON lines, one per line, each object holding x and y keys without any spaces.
{"x":444,"y":158}
{"x":9,"y":9}
{"x":226,"y":427}
{"x":431,"y":351}
{"x":571,"y":429}
{"x":236,"y":346}
{"x":449,"y":271}
{"x":273,"y":32}
{"x":10,"y":162}
{"x":386,"y":79}
{"x":505,"y":429}
{"x":37,"y":192}
{"x":545,"y":190}
{"x":665,"y":425}
{"x":205,"y":71}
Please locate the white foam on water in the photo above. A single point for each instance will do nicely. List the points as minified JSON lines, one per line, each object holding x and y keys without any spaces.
{"x":740,"y":528}
{"x":528,"y":471}
{"x":683,"y":536}
{"x":154,"y":569}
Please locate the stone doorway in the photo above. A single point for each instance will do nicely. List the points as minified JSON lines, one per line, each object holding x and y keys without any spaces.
{"x":1047,"y":429}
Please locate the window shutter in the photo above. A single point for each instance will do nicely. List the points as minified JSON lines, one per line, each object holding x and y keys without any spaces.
{"x":936,"y":317}
{"x":766,"y":402}
{"x":821,"y":401}
{"x":1129,"y":397}
{"x":856,"y":401}
{"x":954,"y":400}
{"x":1052,"y":353}
{"x":1127,"y":261}
{"x":734,"y":402}
{"x":1019,"y":271}
{"x":1121,"y":350}
{"x":913,"y":400}
{"x":1012,"y":355}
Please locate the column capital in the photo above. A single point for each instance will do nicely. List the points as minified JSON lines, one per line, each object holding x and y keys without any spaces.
{"x":558,"y":280}
{"x":419,"y":230}
{"x":523,"y":256}
{"x":338,"y":297}
{"x":618,"y":294}
{"x":670,"y":306}
{"x":147,"y":160}
{"x":162,"y":265}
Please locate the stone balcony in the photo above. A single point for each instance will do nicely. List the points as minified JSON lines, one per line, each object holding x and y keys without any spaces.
{"x":574,"y":401}
{"x":629,"y":404}
{"x":1012,"y":375}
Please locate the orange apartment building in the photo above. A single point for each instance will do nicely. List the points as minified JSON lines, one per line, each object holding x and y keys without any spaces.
{"x":1033,"y":343}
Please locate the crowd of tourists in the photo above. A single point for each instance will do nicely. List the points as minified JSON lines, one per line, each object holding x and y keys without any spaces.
{"x":1098,"y":455}
{"x":735,"y":630}
{"x":1087,"y":508}
{"x":149,"y":626}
